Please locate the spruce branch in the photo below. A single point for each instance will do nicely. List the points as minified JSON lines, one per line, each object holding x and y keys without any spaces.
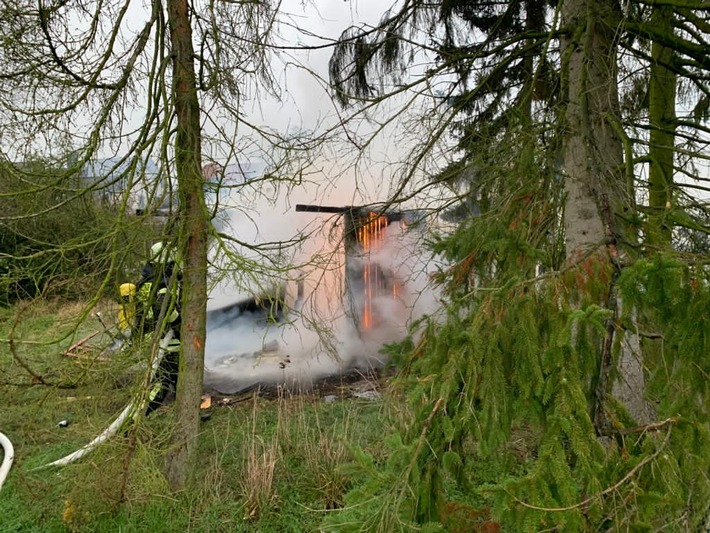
{"x":647,"y":428}
{"x":631,"y":473}
{"x":652,"y":335}
{"x":422,"y":438}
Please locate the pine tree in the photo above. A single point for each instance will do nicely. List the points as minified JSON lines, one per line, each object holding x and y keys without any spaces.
{"x":561,"y":387}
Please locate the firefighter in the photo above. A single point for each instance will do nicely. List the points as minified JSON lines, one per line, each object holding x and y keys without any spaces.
{"x":158,"y":292}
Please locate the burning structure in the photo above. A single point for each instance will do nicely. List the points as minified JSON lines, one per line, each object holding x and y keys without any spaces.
{"x":269,"y":340}
{"x":367,"y":280}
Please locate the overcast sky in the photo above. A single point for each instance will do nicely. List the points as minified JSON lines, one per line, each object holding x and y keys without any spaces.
{"x":306,"y":103}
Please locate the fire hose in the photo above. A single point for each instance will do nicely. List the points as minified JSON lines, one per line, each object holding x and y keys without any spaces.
{"x":7,"y":459}
{"x":132,"y":409}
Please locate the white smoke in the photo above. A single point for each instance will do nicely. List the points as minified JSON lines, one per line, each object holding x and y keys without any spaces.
{"x":318,"y":338}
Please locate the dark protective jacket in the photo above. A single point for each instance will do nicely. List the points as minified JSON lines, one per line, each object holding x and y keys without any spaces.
{"x":157,"y":288}
{"x":152,"y":291}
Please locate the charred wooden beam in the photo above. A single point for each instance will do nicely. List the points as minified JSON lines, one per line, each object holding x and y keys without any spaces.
{"x":355,"y":210}
{"x":310,"y":208}
{"x":355,"y":217}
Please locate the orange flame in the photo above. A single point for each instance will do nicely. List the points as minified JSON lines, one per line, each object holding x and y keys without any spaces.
{"x":370,"y":236}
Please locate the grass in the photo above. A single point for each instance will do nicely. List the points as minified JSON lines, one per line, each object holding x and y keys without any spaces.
{"x":265,"y":464}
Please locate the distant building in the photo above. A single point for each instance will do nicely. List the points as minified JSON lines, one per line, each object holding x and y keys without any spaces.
{"x":112,"y":178}
{"x":149,"y":189}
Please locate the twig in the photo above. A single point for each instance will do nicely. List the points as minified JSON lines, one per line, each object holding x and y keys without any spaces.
{"x":612,"y":488}
{"x":645,"y":334}
{"x":80,"y":343}
{"x":422,"y":437}
{"x":35,"y":383}
{"x":655,"y":426}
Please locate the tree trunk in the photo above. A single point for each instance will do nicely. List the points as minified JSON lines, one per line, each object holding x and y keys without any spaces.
{"x":193,"y":244}
{"x":592,"y":151}
{"x":597,"y":194}
{"x":661,"y":109}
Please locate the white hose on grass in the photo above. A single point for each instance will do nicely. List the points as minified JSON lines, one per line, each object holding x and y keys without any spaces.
{"x":7,"y":459}
{"x":132,"y":409}
{"x":109,"y":432}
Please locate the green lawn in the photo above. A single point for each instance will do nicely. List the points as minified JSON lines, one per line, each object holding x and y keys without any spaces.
{"x":265,"y":464}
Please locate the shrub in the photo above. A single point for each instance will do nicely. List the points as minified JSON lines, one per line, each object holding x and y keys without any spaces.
{"x":56,"y":238}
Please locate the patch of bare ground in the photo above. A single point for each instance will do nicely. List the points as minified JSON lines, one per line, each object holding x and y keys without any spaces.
{"x":357,"y":384}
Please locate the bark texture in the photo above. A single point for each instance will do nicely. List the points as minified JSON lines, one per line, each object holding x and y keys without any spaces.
{"x":592,"y":151}
{"x":662,"y":118}
{"x":193,"y":243}
{"x":597,"y":194}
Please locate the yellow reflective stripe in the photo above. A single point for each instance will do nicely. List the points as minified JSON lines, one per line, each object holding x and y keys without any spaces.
{"x":173,"y":348}
{"x":154,"y":391}
{"x":172,"y":314}
{"x":144,"y":292}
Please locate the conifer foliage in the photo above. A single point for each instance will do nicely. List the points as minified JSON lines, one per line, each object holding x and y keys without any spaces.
{"x":563,"y":385}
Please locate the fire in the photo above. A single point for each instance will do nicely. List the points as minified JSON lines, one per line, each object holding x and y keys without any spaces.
{"x":371,"y":237}
{"x":371,"y":232}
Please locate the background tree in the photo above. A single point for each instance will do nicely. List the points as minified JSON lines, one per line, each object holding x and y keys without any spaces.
{"x":29,"y":268}
{"x":661,"y":110}
{"x":673,"y":91}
